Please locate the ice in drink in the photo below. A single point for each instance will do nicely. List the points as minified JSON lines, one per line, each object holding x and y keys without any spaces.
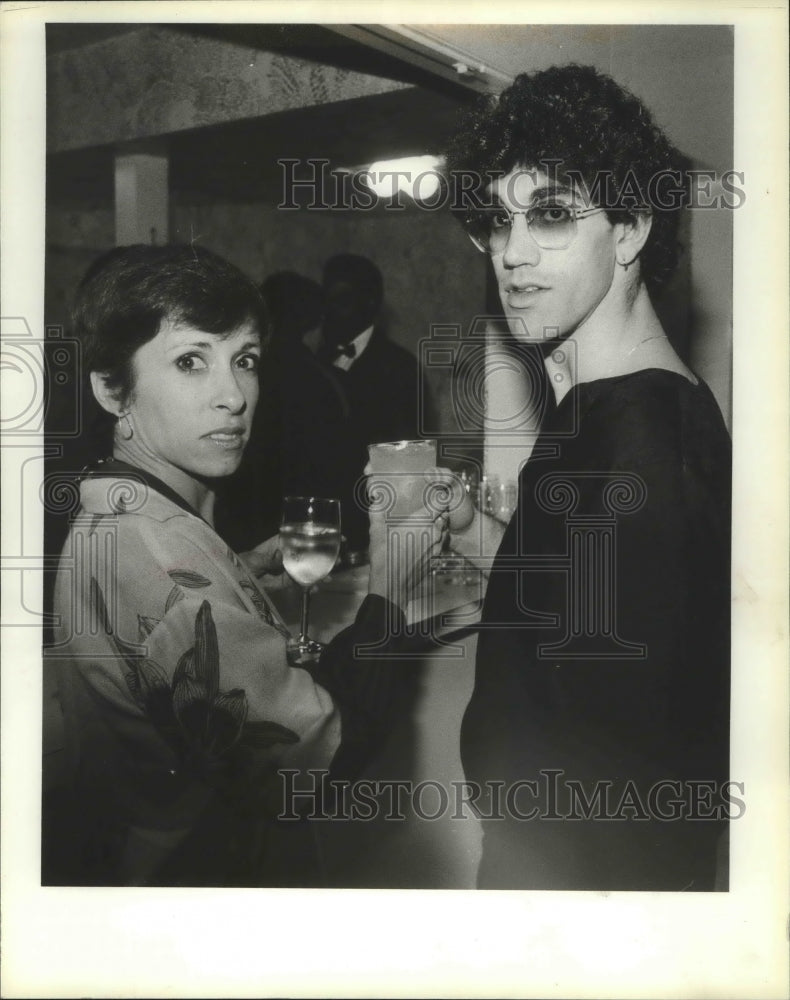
{"x":309,"y":551}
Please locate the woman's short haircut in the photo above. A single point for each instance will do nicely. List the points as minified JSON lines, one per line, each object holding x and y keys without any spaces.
{"x":128,"y":293}
{"x":581,"y":121}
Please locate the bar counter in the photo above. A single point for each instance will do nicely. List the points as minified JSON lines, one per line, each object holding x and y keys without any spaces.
{"x":418,"y":850}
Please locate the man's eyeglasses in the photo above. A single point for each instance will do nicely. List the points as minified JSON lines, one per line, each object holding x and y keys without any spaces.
{"x":552,"y":227}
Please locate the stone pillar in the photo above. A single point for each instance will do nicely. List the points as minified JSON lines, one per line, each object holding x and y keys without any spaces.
{"x":141,"y":198}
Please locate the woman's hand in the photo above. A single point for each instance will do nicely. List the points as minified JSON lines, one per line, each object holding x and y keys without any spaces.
{"x":265,"y":559}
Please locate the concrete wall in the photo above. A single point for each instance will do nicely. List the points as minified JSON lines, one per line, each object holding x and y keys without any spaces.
{"x":155,"y":81}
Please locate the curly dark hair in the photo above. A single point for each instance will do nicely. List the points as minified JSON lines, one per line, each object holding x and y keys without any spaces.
{"x":591,"y":125}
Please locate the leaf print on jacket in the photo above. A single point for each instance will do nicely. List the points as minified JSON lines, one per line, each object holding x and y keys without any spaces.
{"x":264,"y":609}
{"x":186,"y":578}
{"x":200,"y":722}
{"x":183,"y":578}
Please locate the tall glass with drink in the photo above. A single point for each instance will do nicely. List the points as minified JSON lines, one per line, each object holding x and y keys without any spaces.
{"x":398,"y":467}
{"x":398,"y":486}
{"x":310,"y":544}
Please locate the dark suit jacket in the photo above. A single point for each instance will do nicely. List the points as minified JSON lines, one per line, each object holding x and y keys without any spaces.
{"x":300,"y":445}
{"x":382,"y":387}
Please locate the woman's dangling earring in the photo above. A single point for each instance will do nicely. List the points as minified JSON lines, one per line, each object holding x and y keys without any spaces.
{"x":125,"y":427}
{"x":625,"y":264}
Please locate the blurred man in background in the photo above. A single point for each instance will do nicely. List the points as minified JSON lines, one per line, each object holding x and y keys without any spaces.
{"x":301,"y":441}
{"x":381,"y":380}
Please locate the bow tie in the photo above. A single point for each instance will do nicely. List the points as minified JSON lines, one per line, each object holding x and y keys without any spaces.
{"x":349,"y":350}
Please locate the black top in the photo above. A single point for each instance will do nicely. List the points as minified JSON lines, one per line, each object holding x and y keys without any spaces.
{"x":604,"y":650}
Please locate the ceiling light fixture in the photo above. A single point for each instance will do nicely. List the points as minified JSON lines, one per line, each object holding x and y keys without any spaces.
{"x":418,"y":177}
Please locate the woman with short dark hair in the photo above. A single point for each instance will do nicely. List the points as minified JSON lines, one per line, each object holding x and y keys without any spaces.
{"x":601,"y":699}
{"x":179,"y":704}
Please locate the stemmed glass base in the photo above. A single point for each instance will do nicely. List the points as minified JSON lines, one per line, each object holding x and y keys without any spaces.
{"x":301,"y":650}
{"x":310,"y":540}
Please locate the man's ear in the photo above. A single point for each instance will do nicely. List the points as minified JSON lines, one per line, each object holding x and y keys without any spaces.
{"x":633,"y":236}
{"x":107,"y":398}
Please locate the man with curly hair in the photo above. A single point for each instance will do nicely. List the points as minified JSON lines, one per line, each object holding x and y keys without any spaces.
{"x":596,"y":740}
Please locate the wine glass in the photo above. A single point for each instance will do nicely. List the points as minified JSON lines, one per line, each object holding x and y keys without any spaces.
{"x":310,"y":543}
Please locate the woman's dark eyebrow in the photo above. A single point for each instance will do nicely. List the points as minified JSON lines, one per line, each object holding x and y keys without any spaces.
{"x":207,"y":345}
{"x":203,"y":344}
